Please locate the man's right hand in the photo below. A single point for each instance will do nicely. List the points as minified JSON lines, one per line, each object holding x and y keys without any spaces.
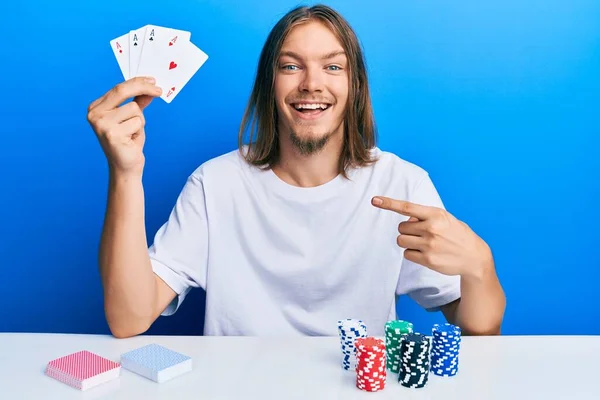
{"x":120,"y":129}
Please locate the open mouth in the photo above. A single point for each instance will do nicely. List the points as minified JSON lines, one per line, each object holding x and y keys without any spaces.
{"x":310,"y":110}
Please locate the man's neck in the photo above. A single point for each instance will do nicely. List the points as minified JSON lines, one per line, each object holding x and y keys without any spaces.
{"x":309,"y":170}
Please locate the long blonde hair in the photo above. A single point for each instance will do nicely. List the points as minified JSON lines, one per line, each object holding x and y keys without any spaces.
{"x":261,"y":114}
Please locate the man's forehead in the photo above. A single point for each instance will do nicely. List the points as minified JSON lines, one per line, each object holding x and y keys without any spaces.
{"x":311,"y":40}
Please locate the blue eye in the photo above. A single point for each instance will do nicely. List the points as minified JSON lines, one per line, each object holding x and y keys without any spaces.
{"x":288,"y":67}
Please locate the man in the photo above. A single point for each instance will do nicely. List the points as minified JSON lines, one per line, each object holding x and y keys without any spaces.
{"x":306,"y":224}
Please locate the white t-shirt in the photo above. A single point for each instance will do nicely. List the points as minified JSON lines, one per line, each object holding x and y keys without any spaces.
{"x":281,"y":260}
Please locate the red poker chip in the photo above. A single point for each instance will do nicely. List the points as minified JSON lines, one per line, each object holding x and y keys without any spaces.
{"x":369,"y":366}
{"x":371,"y":373}
{"x":369,"y":363}
{"x":372,"y":380}
{"x":368,"y":385}
{"x":370,"y":343}
{"x":371,"y":384}
{"x":372,"y":377}
{"x":371,"y":388}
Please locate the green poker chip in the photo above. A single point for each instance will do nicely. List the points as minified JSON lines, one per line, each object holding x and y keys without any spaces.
{"x":394,"y":331}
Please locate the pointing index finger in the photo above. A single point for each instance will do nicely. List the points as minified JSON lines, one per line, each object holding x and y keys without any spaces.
{"x":402,"y":207}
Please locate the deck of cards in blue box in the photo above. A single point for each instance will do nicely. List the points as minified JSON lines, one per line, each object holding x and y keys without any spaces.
{"x":156,"y":362}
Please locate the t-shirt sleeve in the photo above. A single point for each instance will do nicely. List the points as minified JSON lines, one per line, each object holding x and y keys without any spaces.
{"x":179,"y":253}
{"x":428,"y":288}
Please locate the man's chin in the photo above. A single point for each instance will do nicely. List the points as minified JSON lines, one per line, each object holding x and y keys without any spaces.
{"x":307,"y":143}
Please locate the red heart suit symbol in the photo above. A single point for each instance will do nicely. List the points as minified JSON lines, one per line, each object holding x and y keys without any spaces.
{"x":172,"y":65}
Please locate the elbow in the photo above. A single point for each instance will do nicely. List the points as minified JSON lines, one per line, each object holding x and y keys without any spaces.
{"x":486,"y":323}
{"x":123,"y":325}
{"x":483,"y":330}
{"x":483,"y":327}
{"x":120,"y":334}
{"x":123,"y":328}
{"x":124,"y":332}
{"x":489,"y":324}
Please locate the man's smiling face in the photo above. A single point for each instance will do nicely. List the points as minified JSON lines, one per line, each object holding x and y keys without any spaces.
{"x":311,"y":87}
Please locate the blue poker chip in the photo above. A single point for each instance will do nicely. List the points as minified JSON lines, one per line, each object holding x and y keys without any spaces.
{"x":446,"y":329}
{"x":446,"y":339}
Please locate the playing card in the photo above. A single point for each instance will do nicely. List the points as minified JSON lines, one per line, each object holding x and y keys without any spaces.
{"x":156,"y":362}
{"x":171,"y":65}
{"x":159,"y":39}
{"x":83,"y":370}
{"x":136,"y":43}
{"x":120,"y":47}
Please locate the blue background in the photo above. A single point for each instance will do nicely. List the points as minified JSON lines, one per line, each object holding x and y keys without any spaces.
{"x":498,"y":100}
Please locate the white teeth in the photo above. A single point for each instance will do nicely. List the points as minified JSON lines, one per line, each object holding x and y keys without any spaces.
{"x":310,"y":106}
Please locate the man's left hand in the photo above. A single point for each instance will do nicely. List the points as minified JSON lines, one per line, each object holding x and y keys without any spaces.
{"x":436,"y":239}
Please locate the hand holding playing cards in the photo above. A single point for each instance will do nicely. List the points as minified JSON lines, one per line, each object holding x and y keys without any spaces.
{"x":435,"y":239}
{"x":120,"y":128}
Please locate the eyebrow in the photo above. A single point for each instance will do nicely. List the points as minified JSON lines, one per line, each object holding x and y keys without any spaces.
{"x":327,"y":56}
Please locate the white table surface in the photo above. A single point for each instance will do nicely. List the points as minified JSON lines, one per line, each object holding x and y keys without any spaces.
{"x":505,"y":367}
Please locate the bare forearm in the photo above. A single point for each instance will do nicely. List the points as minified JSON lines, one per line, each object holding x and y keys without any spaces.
{"x":482,"y":304}
{"x":127,"y":277}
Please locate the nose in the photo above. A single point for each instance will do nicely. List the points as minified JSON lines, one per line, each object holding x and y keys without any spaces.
{"x":312,"y":80}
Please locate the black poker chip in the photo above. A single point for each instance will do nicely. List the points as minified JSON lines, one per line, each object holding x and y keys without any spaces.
{"x":415,"y":353}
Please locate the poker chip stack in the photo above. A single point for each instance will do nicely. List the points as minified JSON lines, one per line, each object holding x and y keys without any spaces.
{"x":445,"y":349}
{"x":394,"y":330}
{"x":350,"y":330}
{"x":371,"y":364}
{"x":415,"y":350}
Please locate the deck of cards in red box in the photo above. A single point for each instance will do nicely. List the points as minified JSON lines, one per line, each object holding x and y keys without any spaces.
{"x":83,"y":370}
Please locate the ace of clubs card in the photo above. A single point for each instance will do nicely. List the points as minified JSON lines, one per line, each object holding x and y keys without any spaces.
{"x":156,"y":39}
{"x":136,"y":43}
